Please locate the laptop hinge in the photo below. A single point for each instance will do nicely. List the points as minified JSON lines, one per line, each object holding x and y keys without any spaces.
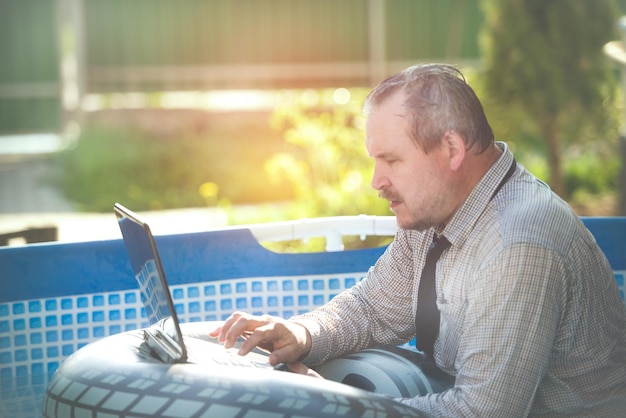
{"x":163,"y":346}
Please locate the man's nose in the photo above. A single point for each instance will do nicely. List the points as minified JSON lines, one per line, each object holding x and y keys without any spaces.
{"x":379,"y":179}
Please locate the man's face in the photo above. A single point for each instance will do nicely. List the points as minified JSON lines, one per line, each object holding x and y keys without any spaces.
{"x":413,"y":182}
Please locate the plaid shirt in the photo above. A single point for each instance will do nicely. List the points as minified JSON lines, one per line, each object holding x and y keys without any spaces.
{"x":531,"y":318}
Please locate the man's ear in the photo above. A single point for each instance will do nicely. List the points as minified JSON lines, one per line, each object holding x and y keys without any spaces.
{"x":455,"y":149}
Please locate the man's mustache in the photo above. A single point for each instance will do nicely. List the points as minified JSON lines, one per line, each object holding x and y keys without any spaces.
{"x":387,"y":195}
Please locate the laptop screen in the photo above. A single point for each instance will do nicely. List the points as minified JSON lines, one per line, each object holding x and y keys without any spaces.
{"x":147,"y":269}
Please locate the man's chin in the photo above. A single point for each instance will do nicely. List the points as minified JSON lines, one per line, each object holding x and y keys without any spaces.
{"x":410,"y":223}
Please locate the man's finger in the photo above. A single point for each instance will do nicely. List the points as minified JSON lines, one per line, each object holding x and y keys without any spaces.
{"x":226,"y":326}
{"x":261,"y":337}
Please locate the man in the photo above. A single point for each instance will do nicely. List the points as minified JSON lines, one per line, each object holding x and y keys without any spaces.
{"x":531,"y":321}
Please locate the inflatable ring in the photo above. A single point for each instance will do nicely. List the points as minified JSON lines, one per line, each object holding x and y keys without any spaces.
{"x":393,"y":371}
{"x":117,"y":377}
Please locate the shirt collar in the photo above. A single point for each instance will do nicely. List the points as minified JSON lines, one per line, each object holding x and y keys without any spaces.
{"x":463,"y":221}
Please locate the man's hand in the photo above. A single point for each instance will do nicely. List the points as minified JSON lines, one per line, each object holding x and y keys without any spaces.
{"x":286,"y":341}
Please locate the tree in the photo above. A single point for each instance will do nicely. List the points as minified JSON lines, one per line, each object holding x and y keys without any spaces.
{"x":544,"y":58}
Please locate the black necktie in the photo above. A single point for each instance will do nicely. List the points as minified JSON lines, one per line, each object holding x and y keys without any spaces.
{"x":427,"y":316}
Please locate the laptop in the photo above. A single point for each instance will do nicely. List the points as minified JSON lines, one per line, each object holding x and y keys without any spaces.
{"x":164,"y":336}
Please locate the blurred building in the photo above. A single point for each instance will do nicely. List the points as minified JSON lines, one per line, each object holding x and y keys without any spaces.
{"x":54,"y":53}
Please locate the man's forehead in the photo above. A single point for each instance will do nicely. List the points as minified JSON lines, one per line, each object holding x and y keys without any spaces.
{"x":387,"y":121}
{"x":396,"y":101}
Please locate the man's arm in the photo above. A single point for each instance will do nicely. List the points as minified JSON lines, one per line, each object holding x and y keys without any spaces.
{"x":379,"y":309}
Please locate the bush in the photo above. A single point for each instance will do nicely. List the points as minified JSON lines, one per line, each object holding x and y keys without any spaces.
{"x":151,"y":172}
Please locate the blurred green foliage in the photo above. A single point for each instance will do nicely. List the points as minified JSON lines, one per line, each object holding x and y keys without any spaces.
{"x":147,"y":171}
{"x":589,"y":152}
{"x":327,"y":166}
{"x":544,"y":59}
{"x":329,"y":169}
{"x":303,"y":160}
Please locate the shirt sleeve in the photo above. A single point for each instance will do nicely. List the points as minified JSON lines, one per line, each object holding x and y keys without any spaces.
{"x":511,"y":319}
{"x":378,"y":309}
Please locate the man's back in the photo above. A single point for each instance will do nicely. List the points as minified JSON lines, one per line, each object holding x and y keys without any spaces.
{"x":574,"y":305}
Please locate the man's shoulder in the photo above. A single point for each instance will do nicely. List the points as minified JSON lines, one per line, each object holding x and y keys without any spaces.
{"x":548,"y":223}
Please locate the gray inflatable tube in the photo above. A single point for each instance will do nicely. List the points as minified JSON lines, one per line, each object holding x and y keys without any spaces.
{"x":117,"y":377}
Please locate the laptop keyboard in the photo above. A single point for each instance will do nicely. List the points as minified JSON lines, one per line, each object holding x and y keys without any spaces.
{"x":205,"y":352}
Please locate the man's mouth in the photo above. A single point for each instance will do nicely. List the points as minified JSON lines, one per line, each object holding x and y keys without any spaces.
{"x":394,"y":204}
{"x":394,"y":201}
